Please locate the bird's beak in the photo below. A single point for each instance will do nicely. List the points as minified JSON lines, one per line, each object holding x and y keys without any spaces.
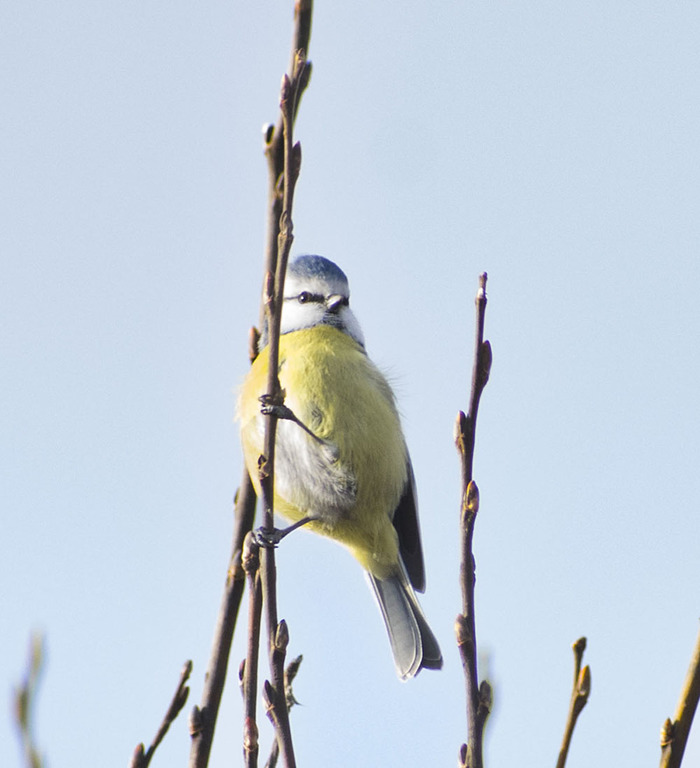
{"x":334,"y":303}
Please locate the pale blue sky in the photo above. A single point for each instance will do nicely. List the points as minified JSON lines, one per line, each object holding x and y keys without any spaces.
{"x":554,"y":146}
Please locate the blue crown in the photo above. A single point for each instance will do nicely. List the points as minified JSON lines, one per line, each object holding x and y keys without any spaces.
{"x":316,"y":267}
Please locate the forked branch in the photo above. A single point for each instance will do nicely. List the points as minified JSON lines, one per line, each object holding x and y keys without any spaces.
{"x":580,"y":692}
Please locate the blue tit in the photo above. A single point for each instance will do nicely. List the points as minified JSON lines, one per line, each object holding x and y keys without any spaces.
{"x":341,"y":462}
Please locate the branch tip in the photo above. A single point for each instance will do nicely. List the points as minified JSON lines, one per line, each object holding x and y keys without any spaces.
{"x":269,"y":291}
{"x":250,"y":735}
{"x":583,"y":688}
{"x":579,"y":698}
{"x":268,"y":132}
{"x":460,"y":431}
{"x":138,"y":757}
{"x":268,"y":694}
{"x":667,"y":730}
{"x":485,"y":361}
{"x":253,"y":342}
{"x":282,"y":636}
{"x":196,"y":721}
{"x":471,"y":502}
{"x":296,"y":158}
{"x":305,"y":77}
{"x":285,"y":90}
{"x":675,"y":732}
{"x":485,"y":702}
{"x":463,"y":756}
{"x":462,"y":630}
{"x":293,"y":668}
{"x":579,"y":646}
{"x":250,"y":559}
{"x":481,"y":294}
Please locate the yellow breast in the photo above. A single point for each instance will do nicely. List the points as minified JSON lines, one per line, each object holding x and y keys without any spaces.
{"x":340,"y":395}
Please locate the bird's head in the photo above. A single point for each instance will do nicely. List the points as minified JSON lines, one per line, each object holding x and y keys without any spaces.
{"x":317,"y":293}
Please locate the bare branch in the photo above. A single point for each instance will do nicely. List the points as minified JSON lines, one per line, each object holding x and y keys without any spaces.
{"x":279,"y":140}
{"x":141,"y":758}
{"x":274,"y":135}
{"x":674,"y":734}
{"x":249,"y":676}
{"x":289,"y":674}
{"x":24,"y":699}
{"x":580,"y":692}
{"x":479,"y":697}
{"x":203,"y":717}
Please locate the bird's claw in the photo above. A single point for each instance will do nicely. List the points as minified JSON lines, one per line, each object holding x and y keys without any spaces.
{"x":264,"y":537}
{"x":279,"y":410}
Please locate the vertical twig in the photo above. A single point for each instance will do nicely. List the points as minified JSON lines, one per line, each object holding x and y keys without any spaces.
{"x":580,"y":692}
{"x":274,"y":139}
{"x":674,"y":733}
{"x":24,"y":701}
{"x":203,"y":717}
{"x":478,"y":697}
{"x":249,"y":671}
{"x":278,"y":635}
{"x":289,"y":674}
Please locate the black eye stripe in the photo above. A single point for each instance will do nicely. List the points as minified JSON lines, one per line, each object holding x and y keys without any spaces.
{"x":305,"y":297}
{"x":318,"y":298}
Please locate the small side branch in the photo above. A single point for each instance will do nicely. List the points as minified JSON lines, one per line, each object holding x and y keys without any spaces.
{"x":289,"y":674}
{"x":24,"y":699}
{"x":142,"y":758}
{"x":674,"y":733}
{"x":580,"y":692}
{"x":479,"y":697}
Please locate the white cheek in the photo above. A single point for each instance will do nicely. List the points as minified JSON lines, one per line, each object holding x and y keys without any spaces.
{"x":352,"y":326}
{"x":296,"y":315}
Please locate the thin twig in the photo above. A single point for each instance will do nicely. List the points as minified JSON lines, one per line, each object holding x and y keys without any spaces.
{"x":203,"y":718}
{"x":274,"y":137}
{"x":674,"y":734}
{"x":141,"y":758}
{"x":479,"y":697}
{"x":289,"y":674}
{"x":249,"y":677}
{"x":24,"y":700}
{"x":277,"y":632}
{"x":580,"y":692}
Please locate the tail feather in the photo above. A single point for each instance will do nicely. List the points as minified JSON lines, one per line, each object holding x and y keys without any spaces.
{"x":412,"y":641}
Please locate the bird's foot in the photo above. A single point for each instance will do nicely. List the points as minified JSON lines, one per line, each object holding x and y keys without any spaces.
{"x":281,"y":411}
{"x":264,"y":537}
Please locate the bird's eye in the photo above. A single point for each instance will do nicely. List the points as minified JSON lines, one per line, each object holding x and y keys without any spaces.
{"x":303,"y":297}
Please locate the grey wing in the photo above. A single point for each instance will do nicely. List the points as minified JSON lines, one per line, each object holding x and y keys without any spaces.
{"x":407,"y":527}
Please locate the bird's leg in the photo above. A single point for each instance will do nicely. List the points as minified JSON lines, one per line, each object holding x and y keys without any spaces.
{"x":266,"y":538}
{"x":270,"y":408}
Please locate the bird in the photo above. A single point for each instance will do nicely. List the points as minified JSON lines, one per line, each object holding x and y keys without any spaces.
{"x":342,"y":468}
